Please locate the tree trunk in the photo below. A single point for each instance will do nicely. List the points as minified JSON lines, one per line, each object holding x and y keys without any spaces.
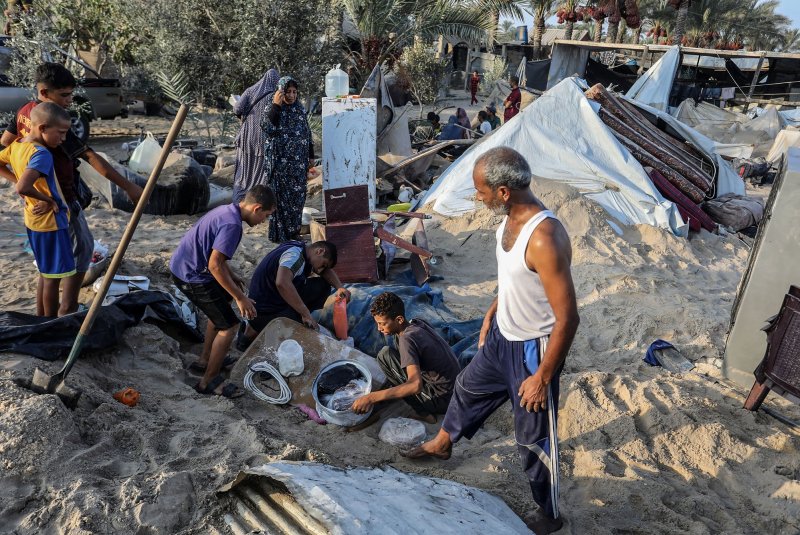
{"x":570,"y":24}
{"x":538,"y":31}
{"x":613,"y":28}
{"x":637,"y":35}
{"x":680,"y":22}
{"x":598,"y":30}
{"x":623,"y":27}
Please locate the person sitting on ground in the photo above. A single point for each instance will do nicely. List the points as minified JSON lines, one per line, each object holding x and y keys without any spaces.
{"x":512,"y":102}
{"x":421,"y":371}
{"x":463,"y":120}
{"x":484,"y":126}
{"x":282,"y":286}
{"x":494,"y":120}
{"x":451,"y":130}
{"x":46,"y":214}
{"x":55,"y":83}
{"x":200,"y":270}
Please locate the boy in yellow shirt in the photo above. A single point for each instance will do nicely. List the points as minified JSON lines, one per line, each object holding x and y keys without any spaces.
{"x":46,"y":213}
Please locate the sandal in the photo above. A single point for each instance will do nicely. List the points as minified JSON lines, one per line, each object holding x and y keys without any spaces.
{"x":229,"y":391}
{"x":227,"y":364}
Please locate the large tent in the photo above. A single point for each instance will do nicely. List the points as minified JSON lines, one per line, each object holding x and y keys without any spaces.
{"x":563,"y":139}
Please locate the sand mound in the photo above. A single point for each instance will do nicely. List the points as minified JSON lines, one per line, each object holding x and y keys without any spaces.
{"x":643,"y":451}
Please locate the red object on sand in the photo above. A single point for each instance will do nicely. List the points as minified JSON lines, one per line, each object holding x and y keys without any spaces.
{"x":127,"y":396}
{"x":340,"y":318}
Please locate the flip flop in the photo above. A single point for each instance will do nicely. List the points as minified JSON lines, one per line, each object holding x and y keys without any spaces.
{"x":227,"y":364}
{"x":229,"y":391}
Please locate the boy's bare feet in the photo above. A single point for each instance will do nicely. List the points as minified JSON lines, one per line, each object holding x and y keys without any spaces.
{"x":543,"y":525}
{"x":440,"y":447}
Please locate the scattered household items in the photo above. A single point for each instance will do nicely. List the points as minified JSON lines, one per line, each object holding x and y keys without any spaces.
{"x":337,"y":83}
{"x":679,"y":163}
{"x":122,"y":285}
{"x":690,"y":212}
{"x":404,"y":433}
{"x":779,"y":370}
{"x":348,"y":163}
{"x":145,"y":155}
{"x":318,"y":351}
{"x":770,"y":271}
{"x":182,"y":189}
{"x":335,"y":389}
{"x":267,"y":371}
{"x":313,"y":498}
{"x":43,"y":383}
{"x":290,"y":358}
{"x":421,"y":258}
{"x":664,"y":354}
{"x":51,"y":338}
{"x":754,"y":170}
{"x":729,"y":127}
{"x":100,"y":260}
{"x":127,"y":396}
{"x":736,"y":212}
{"x":421,"y":302}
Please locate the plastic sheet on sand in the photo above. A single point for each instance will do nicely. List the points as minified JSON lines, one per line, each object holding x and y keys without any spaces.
{"x":365,"y":501}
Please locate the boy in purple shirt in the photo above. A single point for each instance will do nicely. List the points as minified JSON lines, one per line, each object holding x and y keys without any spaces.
{"x":200,"y":269}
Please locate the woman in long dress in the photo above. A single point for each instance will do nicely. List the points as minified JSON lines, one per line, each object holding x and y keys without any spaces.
{"x":250,"y":140}
{"x":288,"y":156}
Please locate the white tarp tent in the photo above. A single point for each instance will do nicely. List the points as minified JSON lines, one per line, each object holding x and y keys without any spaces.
{"x":563,"y":139}
{"x":732,"y":128}
{"x":789,"y":137}
{"x":654,"y":86}
{"x":791,"y":117}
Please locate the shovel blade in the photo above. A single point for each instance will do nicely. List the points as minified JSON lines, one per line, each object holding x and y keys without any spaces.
{"x":43,"y":383}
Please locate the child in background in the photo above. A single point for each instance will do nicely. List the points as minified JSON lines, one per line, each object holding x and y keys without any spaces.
{"x":46,"y":213}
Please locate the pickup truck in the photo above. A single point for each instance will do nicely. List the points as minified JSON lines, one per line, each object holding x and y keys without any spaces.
{"x":97,"y":97}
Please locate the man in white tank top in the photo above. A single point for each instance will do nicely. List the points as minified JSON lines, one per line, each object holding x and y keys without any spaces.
{"x":526,"y":334}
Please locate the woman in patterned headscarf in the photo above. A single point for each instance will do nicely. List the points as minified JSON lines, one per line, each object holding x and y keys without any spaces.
{"x":250,"y":141}
{"x":288,"y":156}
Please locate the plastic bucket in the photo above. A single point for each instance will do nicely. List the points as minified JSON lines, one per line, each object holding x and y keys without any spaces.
{"x":343,"y":418}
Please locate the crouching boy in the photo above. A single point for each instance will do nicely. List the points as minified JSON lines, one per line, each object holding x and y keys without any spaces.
{"x":200,"y":270}
{"x":46,"y":214}
{"x":421,"y":371}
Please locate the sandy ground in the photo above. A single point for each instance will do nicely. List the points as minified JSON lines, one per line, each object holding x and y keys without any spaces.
{"x":643,"y":450}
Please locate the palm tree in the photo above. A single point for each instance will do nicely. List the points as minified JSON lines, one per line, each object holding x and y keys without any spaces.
{"x":682,"y":7}
{"x":568,"y":13}
{"x":386,"y":26}
{"x":540,"y":9}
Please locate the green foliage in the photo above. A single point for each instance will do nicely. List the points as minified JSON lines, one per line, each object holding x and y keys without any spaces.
{"x":494,"y":71}
{"x":423,"y":73}
{"x":224,"y":47}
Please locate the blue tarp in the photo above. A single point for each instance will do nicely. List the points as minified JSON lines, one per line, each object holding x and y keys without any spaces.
{"x":422,"y":302}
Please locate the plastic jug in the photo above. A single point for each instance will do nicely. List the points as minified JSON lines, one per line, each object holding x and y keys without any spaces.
{"x":290,"y":358}
{"x":337,"y":83}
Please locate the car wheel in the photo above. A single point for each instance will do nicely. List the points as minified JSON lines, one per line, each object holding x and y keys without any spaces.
{"x":80,"y":127}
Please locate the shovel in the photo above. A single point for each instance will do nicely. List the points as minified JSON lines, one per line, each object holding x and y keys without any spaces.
{"x":43,"y":383}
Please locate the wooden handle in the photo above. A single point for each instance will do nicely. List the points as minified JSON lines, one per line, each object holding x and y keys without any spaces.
{"x":177,"y":123}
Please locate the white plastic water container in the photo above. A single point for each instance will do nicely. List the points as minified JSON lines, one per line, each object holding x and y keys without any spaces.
{"x":290,"y":358}
{"x":337,"y":83}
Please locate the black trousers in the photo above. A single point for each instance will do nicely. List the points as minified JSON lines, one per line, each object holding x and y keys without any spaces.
{"x":424,"y":403}
{"x":314,"y":293}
